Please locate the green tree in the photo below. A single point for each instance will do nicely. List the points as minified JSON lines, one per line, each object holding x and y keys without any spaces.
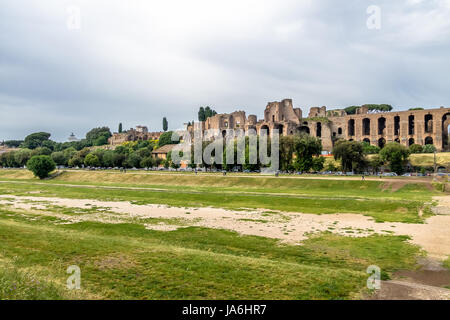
{"x":133,"y":160}
{"x":41,"y":166}
{"x":415,"y":148}
{"x":91,"y":160}
{"x":370,"y":149}
{"x":351,"y":154}
{"x":352,"y":109}
{"x":13,"y":143}
{"x":318,"y":163}
{"x":8,"y":159}
{"x":286,"y":154}
{"x":69,"y":152}
{"x":201,"y":114}
{"x":429,"y":148}
{"x":35,"y":140}
{"x":396,"y":156}
{"x":205,"y":113}
{"x":376,"y":162}
{"x":305,"y":147}
{"x":98,"y":135}
{"x":148,"y":162}
{"x":166,"y":138}
{"x":165,"y":124}
{"x":120,"y":127}
{"x":22,"y":156}
{"x":101,"y":141}
{"x":41,"y":151}
{"x":59,"y":157}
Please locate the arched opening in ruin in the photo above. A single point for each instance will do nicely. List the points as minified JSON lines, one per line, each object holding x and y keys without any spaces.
{"x":411,"y":124}
{"x":273,"y":118}
{"x":445,"y":132}
{"x":428,"y":123}
{"x":264,"y":130}
{"x":304,"y":129}
{"x":381,"y":143}
{"x":224,"y":133}
{"x":366,"y":140}
{"x":397,"y":140}
{"x":339,"y":130}
{"x":351,"y":127}
{"x":396,"y":126}
{"x":319,"y":129}
{"x":411,"y":142}
{"x":428,"y":140}
{"x":381,"y":125}
{"x":366,"y":126}
{"x":280,"y":128}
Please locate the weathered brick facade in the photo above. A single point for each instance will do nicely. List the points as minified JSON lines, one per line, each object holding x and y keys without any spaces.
{"x":138,"y":134}
{"x":406,"y":127}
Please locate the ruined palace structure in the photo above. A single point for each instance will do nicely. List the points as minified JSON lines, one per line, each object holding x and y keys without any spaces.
{"x":377,"y":128}
{"x":137,"y":134}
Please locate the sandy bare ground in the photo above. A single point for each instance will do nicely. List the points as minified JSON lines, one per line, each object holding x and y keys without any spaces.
{"x":433,"y":236}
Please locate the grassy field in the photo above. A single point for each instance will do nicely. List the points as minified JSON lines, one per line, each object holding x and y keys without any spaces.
{"x":128,"y":261}
{"x":418,"y":160}
{"x":385,"y":201}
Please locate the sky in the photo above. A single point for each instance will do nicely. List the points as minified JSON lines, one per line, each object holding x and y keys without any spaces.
{"x":69,"y":66}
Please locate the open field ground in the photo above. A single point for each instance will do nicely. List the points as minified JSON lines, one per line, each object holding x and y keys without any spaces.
{"x":183,"y":236}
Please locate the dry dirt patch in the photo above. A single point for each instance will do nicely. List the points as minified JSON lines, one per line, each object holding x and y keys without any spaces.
{"x":433,"y":235}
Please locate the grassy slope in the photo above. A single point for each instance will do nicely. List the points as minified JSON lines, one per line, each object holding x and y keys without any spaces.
{"x":126,"y":261}
{"x":373,"y":198}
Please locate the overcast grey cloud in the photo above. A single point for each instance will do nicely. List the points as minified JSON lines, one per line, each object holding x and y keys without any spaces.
{"x":137,"y":61}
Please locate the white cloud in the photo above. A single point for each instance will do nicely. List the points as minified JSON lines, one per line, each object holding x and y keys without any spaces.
{"x":137,"y":61}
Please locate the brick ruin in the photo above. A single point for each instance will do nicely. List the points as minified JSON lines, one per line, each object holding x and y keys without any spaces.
{"x":138,"y":134}
{"x":421,"y":127}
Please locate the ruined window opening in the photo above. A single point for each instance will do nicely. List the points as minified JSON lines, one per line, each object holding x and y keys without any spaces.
{"x":351,"y":127}
{"x":411,"y":124}
{"x":396,"y":126}
{"x":428,"y":123}
{"x":366,"y":126}
{"x":381,"y":125}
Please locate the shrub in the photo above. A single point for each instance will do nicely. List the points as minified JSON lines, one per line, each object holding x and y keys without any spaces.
{"x":415,"y":148}
{"x":370,"y":149}
{"x":41,"y":166}
{"x":429,"y":148}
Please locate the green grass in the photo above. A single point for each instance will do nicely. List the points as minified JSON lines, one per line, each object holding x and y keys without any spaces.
{"x":126,"y":261}
{"x":384,"y":201}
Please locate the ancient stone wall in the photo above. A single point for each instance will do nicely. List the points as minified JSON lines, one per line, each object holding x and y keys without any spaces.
{"x":406,"y":127}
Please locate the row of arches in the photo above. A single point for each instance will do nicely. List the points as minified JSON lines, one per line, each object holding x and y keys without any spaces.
{"x":382,"y":142}
{"x":381,"y":125}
